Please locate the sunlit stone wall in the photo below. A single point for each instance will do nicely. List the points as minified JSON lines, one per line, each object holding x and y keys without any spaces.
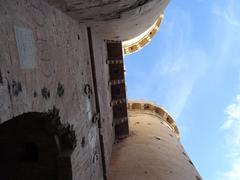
{"x":153,"y":150}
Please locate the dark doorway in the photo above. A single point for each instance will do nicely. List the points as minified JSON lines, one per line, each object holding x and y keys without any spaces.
{"x":28,"y":149}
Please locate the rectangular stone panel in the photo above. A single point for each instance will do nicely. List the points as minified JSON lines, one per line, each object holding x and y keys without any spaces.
{"x":26,"y":47}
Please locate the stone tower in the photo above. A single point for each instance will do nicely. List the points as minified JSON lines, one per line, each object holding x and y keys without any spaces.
{"x":63,"y":98}
{"x":153,"y":150}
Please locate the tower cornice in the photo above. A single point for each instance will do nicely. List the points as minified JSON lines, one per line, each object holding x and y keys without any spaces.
{"x":137,"y":43}
{"x":148,"y":107}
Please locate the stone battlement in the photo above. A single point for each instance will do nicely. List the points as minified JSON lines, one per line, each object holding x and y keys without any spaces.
{"x":149,"y":107}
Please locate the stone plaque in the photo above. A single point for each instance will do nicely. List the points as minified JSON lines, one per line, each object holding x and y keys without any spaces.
{"x":26,"y":47}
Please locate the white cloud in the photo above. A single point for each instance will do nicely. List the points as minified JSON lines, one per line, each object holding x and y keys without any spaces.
{"x":226,"y":29}
{"x":234,"y":173}
{"x":232,"y":138}
{"x":229,"y":13}
{"x":175,"y":73}
{"x":233,"y":128}
{"x":233,"y":112}
{"x":173,"y":78}
{"x":227,"y":38}
{"x":228,"y":17}
{"x":183,"y":72}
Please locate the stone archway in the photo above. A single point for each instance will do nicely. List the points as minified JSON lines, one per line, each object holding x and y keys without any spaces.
{"x":36,"y":146}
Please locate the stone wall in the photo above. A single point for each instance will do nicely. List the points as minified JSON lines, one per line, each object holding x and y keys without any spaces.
{"x":115,"y":19}
{"x":153,"y":150}
{"x":104,"y":95}
{"x":45,"y":62}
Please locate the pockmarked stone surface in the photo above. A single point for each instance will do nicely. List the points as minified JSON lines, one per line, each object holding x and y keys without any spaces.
{"x":55,"y":75}
{"x":153,"y":150}
{"x":49,"y":51}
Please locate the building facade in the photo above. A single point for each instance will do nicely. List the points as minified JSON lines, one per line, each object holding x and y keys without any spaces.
{"x":62,"y":88}
{"x":153,"y":150}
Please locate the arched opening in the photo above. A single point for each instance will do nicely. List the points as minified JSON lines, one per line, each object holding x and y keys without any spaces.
{"x":170,"y":120}
{"x":149,"y":107}
{"x":136,"y":106}
{"x":31,"y":148}
{"x":159,"y":111}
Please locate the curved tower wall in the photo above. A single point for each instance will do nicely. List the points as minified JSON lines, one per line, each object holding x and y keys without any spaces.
{"x":115,"y":20}
{"x":153,"y":150}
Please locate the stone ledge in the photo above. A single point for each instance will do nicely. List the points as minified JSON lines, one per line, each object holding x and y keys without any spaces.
{"x":151,"y":108}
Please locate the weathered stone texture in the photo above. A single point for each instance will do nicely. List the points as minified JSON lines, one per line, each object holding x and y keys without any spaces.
{"x":59,"y":78}
{"x":152,"y":151}
{"x":104,"y":95}
{"x":115,"y":19}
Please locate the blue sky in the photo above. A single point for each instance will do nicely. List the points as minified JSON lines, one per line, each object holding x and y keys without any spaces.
{"x":192,"y":68}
